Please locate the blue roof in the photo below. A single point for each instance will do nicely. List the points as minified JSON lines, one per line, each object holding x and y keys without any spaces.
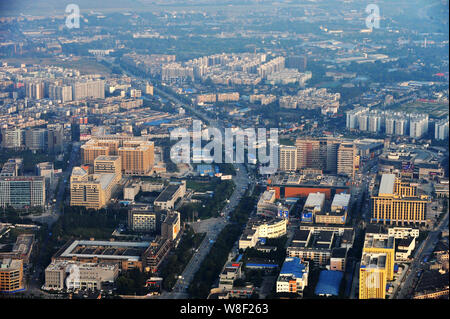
{"x":329,"y":282}
{"x":157,"y":122}
{"x":294,"y":266}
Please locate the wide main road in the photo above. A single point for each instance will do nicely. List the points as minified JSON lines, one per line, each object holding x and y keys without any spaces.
{"x":241,"y":181}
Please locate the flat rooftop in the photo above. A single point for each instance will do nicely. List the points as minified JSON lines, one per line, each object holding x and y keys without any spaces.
{"x":168,"y":193}
{"x":106,"y":249}
{"x":387,"y":185}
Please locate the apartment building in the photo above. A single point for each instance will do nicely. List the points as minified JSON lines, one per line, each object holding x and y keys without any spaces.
{"x":293,"y":277}
{"x":372,"y":276}
{"x":288,"y":158}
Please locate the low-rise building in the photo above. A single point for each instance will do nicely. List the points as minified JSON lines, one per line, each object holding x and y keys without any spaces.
{"x":293,"y":277}
{"x":166,"y":200}
{"x":11,"y":276}
{"x":88,"y":275}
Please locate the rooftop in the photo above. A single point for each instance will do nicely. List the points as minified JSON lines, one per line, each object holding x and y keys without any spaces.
{"x":105,"y":249}
{"x":293,"y":266}
{"x":387,"y":185}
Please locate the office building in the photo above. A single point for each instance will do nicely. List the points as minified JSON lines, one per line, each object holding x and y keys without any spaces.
{"x":398,"y":203}
{"x":338,"y":212}
{"x":46,"y":170}
{"x":55,"y":139}
{"x":166,"y":200}
{"x":262,"y":227}
{"x":230,"y":272}
{"x":314,"y":204}
{"x":317,"y":243}
{"x":142,"y":219}
{"x":91,"y":190}
{"x":22,"y":191}
{"x":13,"y":167}
{"x":36,"y":139}
{"x":127,"y":255}
{"x":91,"y":276}
{"x":11,"y":276}
{"x":105,"y":164}
{"x":137,"y":157}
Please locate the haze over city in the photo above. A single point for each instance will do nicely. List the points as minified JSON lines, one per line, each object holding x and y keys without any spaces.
{"x":250,"y":151}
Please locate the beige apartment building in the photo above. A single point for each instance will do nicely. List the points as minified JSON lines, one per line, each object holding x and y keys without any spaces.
{"x":288,"y":158}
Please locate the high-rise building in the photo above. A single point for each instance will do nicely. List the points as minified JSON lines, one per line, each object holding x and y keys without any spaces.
{"x":346,"y":159}
{"x":46,"y":170}
{"x":36,"y":139}
{"x":149,"y":89}
{"x":375,"y":122}
{"x":418,"y":125}
{"x":398,"y":203}
{"x":309,"y":153}
{"x":13,"y":138}
{"x":55,"y":138}
{"x":137,"y":157}
{"x":61,"y":93}
{"x":320,"y":153}
{"x":385,"y":244}
{"x":372,"y":276}
{"x":88,"y":89}
{"x":390,"y":125}
{"x":75,"y":131}
{"x":91,"y":190}
{"x":22,"y":191}
{"x":288,"y":158}
{"x":441,"y":129}
{"x":401,"y":126}
{"x":35,"y":90}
